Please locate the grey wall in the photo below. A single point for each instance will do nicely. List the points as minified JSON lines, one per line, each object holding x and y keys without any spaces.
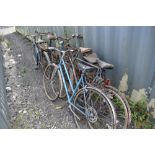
{"x":130,"y":49}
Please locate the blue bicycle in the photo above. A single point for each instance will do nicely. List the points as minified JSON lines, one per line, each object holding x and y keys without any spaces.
{"x":90,"y":106}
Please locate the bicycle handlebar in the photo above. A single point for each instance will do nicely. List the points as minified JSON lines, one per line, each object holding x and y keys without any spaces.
{"x":62,"y":51}
{"x":78,"y":36}
{"x":40,"y":33}
{"x":51,"y":36}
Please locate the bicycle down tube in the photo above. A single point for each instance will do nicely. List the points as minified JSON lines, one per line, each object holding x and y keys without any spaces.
{"x":70,"y":83}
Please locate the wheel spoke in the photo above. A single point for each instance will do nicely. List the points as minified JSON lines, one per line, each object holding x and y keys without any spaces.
{"x":97,"y":114}
{"x":52,"y":83}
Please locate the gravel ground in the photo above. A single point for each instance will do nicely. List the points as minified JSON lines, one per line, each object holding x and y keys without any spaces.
{"x":28,"y":104}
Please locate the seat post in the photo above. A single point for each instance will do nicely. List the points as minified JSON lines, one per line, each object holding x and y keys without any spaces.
{"x":50,"y":42}
{"x":84,"y":78}
{"x":103,"y":73}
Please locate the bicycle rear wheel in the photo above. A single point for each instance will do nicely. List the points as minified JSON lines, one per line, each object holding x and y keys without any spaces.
{"x":52,"y":82}
{"x":121,"y":105}
{"x":119,"y":101}
{"x":98,"y":110}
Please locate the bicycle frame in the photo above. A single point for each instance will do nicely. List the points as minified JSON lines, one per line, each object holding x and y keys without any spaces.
{"x":74,"y":90}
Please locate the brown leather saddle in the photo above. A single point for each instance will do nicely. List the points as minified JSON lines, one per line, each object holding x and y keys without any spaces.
{"x":93,"y":59}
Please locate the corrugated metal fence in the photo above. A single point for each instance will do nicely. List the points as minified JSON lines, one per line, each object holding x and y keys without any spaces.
{"x":3,"y":104}
{"x":130,"y":49}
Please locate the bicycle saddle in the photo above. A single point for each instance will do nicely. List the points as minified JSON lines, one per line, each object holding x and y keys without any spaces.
{"x":83,"y":67}
{"x":51,"y":36}
{"x":104,"y":64}
{"x":93,"y":59}
{"x":85,"y":50}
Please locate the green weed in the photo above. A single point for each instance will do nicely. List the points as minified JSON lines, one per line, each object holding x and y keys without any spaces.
{"x":141,"y":118}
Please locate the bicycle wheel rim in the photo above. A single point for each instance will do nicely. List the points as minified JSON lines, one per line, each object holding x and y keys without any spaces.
{"x":125,"y":103}
{"x":95,"y":110}
{"x":35,"y":55}
{"x":52,"y":84}
{"x":48,"y":71}
{"x":43,"y":61}
{"x":120,"y":107}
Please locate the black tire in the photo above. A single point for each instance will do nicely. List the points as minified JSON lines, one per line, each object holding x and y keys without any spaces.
{"x":104,"y":112}
{"x":52,"y":82}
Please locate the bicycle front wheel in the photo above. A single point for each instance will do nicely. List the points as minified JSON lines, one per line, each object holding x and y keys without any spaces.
{"x":93,"y":109}
{"x":43,"y":60}
{"x":52,"y":82}
{"x":36,"y":54}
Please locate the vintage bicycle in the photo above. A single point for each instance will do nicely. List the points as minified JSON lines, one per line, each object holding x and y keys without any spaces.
{"x":90,"y":106}
{"x":97,"y":77}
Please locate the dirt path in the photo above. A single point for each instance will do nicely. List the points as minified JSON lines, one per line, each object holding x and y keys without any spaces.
{"x":29,"y":107}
